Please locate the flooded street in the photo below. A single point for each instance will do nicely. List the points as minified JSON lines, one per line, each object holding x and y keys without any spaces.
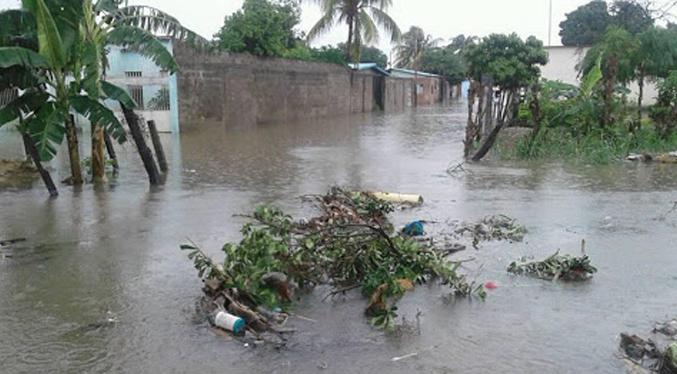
{"x":100,"y":254}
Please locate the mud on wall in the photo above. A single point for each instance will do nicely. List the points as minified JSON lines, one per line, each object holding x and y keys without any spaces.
{"x":242,"y":90}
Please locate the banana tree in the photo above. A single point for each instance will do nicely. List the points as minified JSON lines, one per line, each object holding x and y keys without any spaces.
{"x":71,"y":40}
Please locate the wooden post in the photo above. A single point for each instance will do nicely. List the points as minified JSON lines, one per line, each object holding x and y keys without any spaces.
{"x":73,"y":150}
{"x":33,"y":153}
{"x":111,"y":150}
{"x":145,"y":152}
{"x":159,"y":151}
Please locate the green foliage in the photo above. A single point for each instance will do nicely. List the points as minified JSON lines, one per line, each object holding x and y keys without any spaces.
{"x":510,"y":61}
{"x":415,"y":43}
{"x":555,"y":267}
{"x":617,"y":52}
{"x":373,"y":54}
{"x":664,"y":112}
{"x":585,"y":25}
{"x":261,"y":27}
{"x":350,"y":245}
{"x":328,"y":54}
{"x":631,"y":16}
{"x":363,"y":18}
{"x":445,"y":62}
{"x":48,"y":41}
{"x":160,"y":100}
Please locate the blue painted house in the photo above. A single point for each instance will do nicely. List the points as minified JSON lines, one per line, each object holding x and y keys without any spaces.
{"x":154,"y":89}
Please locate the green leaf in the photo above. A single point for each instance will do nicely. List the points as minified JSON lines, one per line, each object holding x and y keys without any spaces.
{"x":28,"y":102}
{"x":18,"y":29}
{"x":157,"y":22}
{"x":18,"y":56}
{"x":47,"y":129}
{"x":145,"y":43}
{"x":117,"y":93}
{"x":91,"y":59}
{"x":49,"y":38}
{"x":98,"y":113}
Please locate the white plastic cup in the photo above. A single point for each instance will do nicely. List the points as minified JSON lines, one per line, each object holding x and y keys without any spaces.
{"x":229,"y":322}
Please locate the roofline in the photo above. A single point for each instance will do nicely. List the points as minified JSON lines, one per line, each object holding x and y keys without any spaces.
{"x":414,"y":72}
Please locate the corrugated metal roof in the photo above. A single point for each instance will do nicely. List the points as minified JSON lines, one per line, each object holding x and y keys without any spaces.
{"x":413,"y":72}
{"x":368,"y":66}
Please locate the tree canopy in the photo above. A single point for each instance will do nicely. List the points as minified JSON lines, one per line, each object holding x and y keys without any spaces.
{"x":363,"y":18}
{"x":586,"y":25}
{"x":446,"y":62}
{"x":261,"y":27}
{"x":510,"y":61}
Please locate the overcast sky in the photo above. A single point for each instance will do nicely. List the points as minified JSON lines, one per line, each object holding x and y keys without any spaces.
{"x":441,"y":18}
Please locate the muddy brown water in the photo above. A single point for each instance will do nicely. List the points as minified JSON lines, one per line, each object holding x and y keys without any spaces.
{"x":99,"y":253}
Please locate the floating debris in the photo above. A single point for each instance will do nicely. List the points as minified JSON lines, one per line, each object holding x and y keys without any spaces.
{"x":350,"y":245}
{"x":496,"y":227}
{"x":565,"y":267}
{"x":657,"y":354}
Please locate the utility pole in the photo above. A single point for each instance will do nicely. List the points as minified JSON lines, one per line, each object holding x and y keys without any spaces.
{"x":550,"y":25}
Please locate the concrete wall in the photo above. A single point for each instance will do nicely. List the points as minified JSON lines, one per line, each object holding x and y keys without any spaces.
{"x":562,"y":67}
{"x":242,"y":90}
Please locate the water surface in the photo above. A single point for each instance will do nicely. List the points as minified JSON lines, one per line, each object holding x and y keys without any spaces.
{"x":95,"y":253}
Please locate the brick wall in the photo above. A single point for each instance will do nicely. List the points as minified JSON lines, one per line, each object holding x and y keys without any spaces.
{"x":242,"y":90}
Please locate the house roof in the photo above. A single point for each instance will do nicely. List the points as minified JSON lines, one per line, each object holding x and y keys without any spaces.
{"x":369,"y":66}
{"x":413,"y":72}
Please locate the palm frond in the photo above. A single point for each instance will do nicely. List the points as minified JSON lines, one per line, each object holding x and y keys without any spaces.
{"x":367,"y":28}
{"x":383,"y":20}
{"x":99,"y":114}
{"x":156,"y":21}
{"x":145,"y":43}
{"x":322,"y":26}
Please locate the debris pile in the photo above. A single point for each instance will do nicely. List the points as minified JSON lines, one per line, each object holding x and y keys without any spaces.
{"x":556,"y":266}
{"x":656,"y":354}
{"x":497,"y":227}
{"x":350,"y":245}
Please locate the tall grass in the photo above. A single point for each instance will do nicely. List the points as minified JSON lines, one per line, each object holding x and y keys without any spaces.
{"x":595,"y":147}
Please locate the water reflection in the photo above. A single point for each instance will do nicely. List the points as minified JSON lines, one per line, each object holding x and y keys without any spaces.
{"x":97,"y":252}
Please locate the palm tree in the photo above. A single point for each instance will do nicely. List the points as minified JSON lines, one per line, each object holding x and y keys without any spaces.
{"x":66,"y":65}
{"x":363,"y":18}
{"x":414,"y":43}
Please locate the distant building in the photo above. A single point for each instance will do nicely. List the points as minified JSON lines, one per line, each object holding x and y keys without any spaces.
{"x":153,"y":89}
{"x":562,"y":64}
{"x":430,"y":88}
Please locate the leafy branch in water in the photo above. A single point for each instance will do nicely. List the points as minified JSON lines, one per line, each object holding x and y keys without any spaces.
{"x":556,"y":266}
{"x":350,"y":245}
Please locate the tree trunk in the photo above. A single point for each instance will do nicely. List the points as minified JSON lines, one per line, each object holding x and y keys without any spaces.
{"x":470,"y":127}
{"x":488,"y":84}
{"x":157,"y":145}
{"x":145,"y":152}
{"x":73,"y":151}
{"x":34,"y":155}
{"x":111,"y":150}
{"x":535,"y":109}
{"x":640,"y":95}
{"x":488,"y":143}
{"x":98,"y":161}
{"x":609,"y":83}
{"x":349,"y":44}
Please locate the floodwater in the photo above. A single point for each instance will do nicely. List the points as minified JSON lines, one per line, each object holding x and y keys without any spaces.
{"x":99,"y":253}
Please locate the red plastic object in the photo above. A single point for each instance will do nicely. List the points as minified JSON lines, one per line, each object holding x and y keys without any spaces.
{"x":491,"y":286}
